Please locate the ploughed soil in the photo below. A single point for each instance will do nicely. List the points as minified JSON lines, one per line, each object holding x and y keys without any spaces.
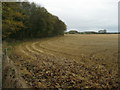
{"x":70,"y":61}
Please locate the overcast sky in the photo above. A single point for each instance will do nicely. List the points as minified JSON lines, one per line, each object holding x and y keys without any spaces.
{"x":84,"y":15}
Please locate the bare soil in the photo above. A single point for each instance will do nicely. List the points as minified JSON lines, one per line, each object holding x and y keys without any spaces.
{"x":70,"y":61}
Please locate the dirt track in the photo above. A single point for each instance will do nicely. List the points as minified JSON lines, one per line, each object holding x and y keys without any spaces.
{"x":81,"y":61}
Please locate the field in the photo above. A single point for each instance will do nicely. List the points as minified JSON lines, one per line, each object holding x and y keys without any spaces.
{"x":72,"y":60}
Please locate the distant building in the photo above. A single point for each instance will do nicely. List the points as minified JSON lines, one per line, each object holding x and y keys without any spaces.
{"x":102,"y":31}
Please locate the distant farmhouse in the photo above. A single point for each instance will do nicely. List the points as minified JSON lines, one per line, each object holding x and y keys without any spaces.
{"x":102,"y":31}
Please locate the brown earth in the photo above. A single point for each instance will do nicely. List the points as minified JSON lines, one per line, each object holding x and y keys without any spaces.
{"x":79,"y":61}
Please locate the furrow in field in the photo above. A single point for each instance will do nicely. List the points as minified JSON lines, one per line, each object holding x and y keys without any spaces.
{"x":70,"y":55}
{"x":77,"y":76}
{"x":31,"y":50}
{"x":39,"y":50}
{"x":89,"y":60}
{"x":56,"y":67}
{"x":55,"y":53}
{"x":92,"y":63}
{"x":51,"y":50}
{"x":33,"y":46}
{"x":66,"y":69}
{"x":24,"y":52}
{"x":27,"y":51}
{"x":70,"y":69}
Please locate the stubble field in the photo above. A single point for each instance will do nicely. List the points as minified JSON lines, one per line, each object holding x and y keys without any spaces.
{"x":72,"y":60}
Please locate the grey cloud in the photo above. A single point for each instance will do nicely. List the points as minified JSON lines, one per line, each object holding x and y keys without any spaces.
{"x":84,"y":14}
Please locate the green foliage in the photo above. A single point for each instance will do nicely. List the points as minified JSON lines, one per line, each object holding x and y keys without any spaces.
{"x":11,"y":19}
{"x":73,"y":32}
{"x":27,"y":20}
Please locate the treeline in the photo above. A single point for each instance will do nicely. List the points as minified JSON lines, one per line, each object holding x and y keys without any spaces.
{"x":91,"y":32}
{"x":22,"y":20}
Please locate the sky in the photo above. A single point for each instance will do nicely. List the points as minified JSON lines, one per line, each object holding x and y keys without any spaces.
{"x":84,"y":15}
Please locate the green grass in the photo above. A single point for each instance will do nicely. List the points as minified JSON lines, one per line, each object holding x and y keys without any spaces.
{"x":8,"y":46}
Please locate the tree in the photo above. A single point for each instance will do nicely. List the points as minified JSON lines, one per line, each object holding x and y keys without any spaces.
{"x":11,"y":19}
{"x":73,"y":32}
{"x":28,"y":20}
{"x":102,"y":31}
